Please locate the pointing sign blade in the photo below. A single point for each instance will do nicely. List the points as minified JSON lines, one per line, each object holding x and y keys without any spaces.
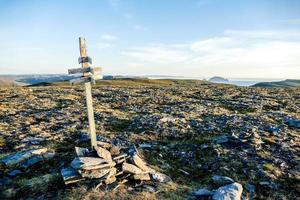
{"x":80,"y":80}
{"x":79,"y":70}
{"x":93,"y":70}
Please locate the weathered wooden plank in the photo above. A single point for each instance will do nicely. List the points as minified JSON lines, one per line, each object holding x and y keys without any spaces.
{"x":80,"y":80}
{"x":88,"y":92}
{"x":79,"y":70}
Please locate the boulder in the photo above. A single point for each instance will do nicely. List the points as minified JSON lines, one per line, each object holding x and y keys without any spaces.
{"x":228,"y":192}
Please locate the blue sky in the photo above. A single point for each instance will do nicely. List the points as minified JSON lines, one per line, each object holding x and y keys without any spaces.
{"x":232,"y":38}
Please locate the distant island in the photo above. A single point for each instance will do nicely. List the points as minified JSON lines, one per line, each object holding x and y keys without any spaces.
{"x":218,"y":79}
{"x":285,"y":83}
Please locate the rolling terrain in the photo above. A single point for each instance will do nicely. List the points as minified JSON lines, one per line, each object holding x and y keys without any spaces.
{"x":202,"y":135}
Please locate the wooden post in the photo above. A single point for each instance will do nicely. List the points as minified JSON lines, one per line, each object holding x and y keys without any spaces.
{"x":88,"y":93}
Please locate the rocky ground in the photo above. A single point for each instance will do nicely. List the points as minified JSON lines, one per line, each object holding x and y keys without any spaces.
{"x":210,"y":139}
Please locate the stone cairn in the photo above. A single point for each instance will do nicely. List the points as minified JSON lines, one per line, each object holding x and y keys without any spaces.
{"x":107,"y":164}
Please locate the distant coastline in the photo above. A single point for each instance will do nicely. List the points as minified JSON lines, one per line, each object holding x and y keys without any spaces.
{"x":36,"y":78}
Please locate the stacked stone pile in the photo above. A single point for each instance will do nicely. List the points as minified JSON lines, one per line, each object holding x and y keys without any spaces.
{"x":109,"y":164}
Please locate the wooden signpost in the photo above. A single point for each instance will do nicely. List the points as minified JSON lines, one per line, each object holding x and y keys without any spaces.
{"x":89,"y":75}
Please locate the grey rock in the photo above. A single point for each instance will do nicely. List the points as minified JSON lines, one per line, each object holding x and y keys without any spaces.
{"x":228,"y":192}
{"x":81,"y":152}
{"x":70,"y":175}
{"x":223,"y":139}
{"x":203,"y":192}
{"x":221,"y":180}
{"x":160,"y":177}
{"x":148,"y":188}
{"x":95,"y":173}
{"x":269,"y":184}
{"x":293,"y":122}
{"x":89,"y":163}
{"x":14,"y":159}
{"x":20,"y":157}
{"x":32,"y":161}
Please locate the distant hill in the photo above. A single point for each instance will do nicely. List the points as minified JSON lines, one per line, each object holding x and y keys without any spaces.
{"x":285,"y":83}
{"x":218,"y":79}
{"x":7,"y":81}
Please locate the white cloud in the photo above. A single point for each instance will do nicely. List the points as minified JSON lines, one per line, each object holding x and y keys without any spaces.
{"x":157,"y":53}
{"x":235,"y":53}
{"x":108,"y":37}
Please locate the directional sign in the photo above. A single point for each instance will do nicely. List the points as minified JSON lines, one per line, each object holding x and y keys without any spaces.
{"x":93,"y":70}
{"x":77,"y":81}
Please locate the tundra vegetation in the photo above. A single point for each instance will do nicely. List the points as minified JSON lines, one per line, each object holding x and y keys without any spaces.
{"x":208,"y":138}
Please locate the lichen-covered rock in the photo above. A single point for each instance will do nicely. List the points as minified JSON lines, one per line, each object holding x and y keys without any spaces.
{"x":95,"y":173}
{"x":142,"y":177}
{"x":160,"y":177}
{"x":70,"y":175}
{"x":90,"y":163}
{"x":103,"y":153}
{"x":141,"y":164}
{"x":228,"y":192}
{"x":132,"y":169}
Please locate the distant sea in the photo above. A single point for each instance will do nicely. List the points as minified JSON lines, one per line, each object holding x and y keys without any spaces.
{"x":233,"y":81}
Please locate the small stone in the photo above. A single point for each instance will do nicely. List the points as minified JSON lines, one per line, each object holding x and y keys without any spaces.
{"x":293,"y":122}
{"x":32,"y":161}
{"x":81,"y":152}
{"x":70,"y":175}
{"x":228,"y":192}
{"x":132,"y":169}
{"x":89,"y":163}
{"x":142,"y":177}
{"x":160,"y":177}
{"x":111,"y":177}
{"x":203,"y":192}
{"x":95,"y":173}
{"x":16,"y":158}
{"x":103,"y":153}
{"x":221,"y":180}
{"x":114,"y":150}
{"x":39,"y":151}
{"x":145,"y":146}
{"x":141,"y":164}
{"x":110,"y":180}
{"x":104,"y":145}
